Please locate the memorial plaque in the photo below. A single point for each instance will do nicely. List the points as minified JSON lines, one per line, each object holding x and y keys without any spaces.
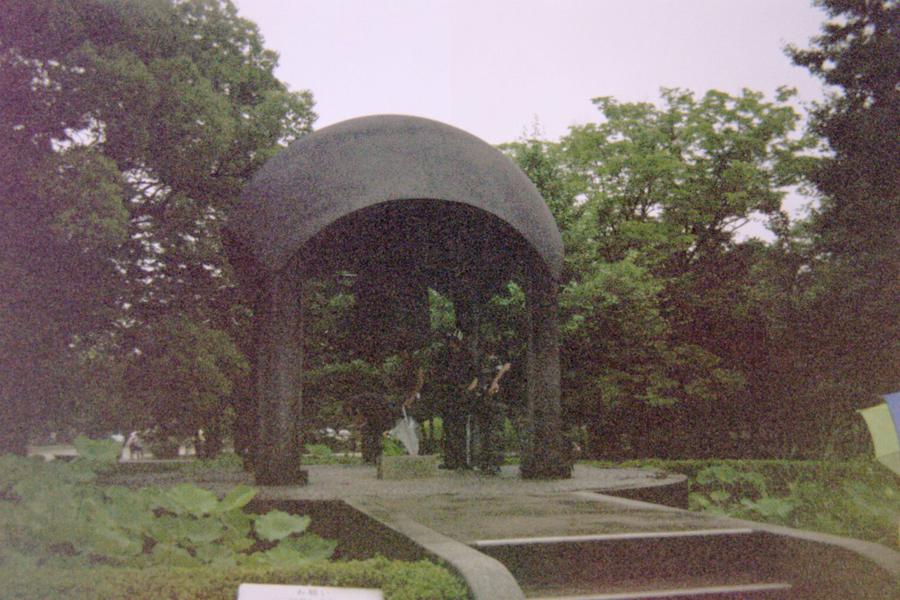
{"x":265,"y":591}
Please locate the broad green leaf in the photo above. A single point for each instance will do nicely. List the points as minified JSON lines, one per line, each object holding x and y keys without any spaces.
{"x":770,"y":507}
{"x":295,"y":552}
{"x":276,"y":525}
{"x":172,"y":555}
{"x":115,"y":543}
{"x":758,"y":481}
{"x":129,"y":514}
{"x":718,"y":473}
{"x":175,"y":529}
{"x":237,"y":498}
{"x":237,"y":522}
{"x":235,"y":542}
{"x":190,"y":499}
{"x":202,"y":531}
{"x":217,"y":555}
{"x":281,"y":557}
{"x":167,"y":529}
{"x":310,"y":546}
{"x":696,"y":500}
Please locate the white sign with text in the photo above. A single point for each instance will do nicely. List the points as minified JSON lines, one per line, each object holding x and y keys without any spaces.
{"x":265,"y":591}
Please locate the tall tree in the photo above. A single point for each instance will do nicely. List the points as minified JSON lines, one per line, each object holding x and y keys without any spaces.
{"x":848,"y":272}
{"x":659,"y":323}
{"x":858,"y":58}
{"x":126,"y":127}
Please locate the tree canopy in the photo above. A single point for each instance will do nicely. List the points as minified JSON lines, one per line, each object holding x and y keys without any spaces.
{"x":127,"y":128}
{"x":658,"y":320}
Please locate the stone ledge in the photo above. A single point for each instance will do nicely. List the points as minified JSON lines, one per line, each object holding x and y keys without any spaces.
{"x":486,"y":577}
{"x":407,"y":467}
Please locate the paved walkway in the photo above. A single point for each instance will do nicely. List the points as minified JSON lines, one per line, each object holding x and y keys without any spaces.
{"x":454,"y":515}
{"x":467,"y":506}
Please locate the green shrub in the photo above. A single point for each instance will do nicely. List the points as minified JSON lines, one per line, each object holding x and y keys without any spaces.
{"x":511,"y":442}
{"x":321,"y":454}
{"x":64,"y":536}
{"x":437,"y":428}
{"x":432,"y":435}
{"x":198,"y":467}
{"x":398,"y":580}
{"x":391,"y":447}
{"x":224,"y":461}
{"x":728,"y":490}
{"x":319,"y":451}
{"x":55,"y":513}
{"x":855,"y":498}
{"x":99,"y":455}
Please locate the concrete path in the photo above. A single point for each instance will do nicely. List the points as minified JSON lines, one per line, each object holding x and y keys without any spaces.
{"x":340,"y":481}
{"x":472,"y":523}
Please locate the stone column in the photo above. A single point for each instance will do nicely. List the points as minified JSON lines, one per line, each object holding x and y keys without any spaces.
{"x":279,"y":368}
{"x":544,"y":455}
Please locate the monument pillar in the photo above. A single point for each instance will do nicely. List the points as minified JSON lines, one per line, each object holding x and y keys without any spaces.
{"x":279,"y":367}
{"x":544,"y":455}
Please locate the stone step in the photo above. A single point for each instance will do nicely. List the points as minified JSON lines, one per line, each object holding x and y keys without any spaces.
{"x":753,"y":591}
{"x":602,"y":562}
{"x":607,"y":537}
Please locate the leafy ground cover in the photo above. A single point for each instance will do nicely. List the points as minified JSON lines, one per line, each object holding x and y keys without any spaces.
{"x":64,"y":534}
{"x":855,"y":498}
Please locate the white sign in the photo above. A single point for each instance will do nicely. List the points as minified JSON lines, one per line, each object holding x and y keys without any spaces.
{"x":265,"y":591}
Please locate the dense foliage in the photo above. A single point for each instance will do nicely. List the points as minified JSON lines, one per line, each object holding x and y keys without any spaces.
{"x":854,"y":498}
{"x":126,"y":129}
{"x":663,"y":331}
{"x":55,"y":514}
{"x":681,"y":339}
{"x":129,"y":127}
{"x":63,"y":534}
{"x":840,"y":270}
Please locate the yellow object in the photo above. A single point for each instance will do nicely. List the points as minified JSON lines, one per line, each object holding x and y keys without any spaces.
{"x":884,"y":436}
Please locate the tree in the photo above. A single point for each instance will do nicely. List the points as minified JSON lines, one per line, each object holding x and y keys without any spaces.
{"x":128,"y":127}
{"x":842,"y":272}
{"x":858,"y":56}
{"x":660,"y":329}
{"x":184,"y":377}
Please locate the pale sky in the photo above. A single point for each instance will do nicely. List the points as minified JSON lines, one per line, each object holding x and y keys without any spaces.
{"x":491,"y":67}
{"x":494,"y":68}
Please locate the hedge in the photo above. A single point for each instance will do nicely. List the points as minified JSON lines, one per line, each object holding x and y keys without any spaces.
{"x":780,"y":473}
{"x":398,"y":580}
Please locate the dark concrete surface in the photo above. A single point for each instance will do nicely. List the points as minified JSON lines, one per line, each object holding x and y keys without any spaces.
{"x":362,"y":162}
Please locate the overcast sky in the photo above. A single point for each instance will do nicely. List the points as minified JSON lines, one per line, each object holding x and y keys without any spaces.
{"x":493,"y":67}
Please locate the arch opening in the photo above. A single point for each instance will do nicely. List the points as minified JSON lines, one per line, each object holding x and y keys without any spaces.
{"x":403,"y":204}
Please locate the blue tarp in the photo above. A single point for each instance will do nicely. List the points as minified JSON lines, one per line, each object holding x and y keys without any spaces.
{"x":893,"y":403}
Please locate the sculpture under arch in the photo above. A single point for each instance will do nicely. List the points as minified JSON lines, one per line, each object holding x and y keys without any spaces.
{"x":407,"y":203}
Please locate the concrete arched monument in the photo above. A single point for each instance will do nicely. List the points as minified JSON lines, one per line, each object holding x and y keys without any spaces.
{"x":404,"y":203}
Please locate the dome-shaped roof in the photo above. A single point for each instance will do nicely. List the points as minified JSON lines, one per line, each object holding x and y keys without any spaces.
{"x":362,"y":162}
